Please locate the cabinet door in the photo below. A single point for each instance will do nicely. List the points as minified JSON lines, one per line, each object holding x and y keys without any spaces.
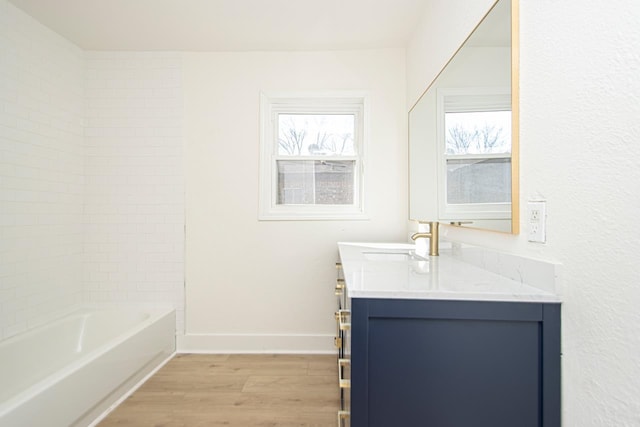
{"x":448,"y":364}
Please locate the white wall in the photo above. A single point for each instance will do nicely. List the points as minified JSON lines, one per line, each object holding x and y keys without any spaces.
{"x":41,"y":167}
{"x":268,"y":285}
{"x":579,"y":133}
{"x":134,"y":193}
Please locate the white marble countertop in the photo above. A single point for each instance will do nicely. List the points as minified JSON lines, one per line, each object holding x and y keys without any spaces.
{"x":395,"y":270}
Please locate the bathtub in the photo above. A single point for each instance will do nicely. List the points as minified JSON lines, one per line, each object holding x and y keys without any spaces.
{"x":72,"y":370}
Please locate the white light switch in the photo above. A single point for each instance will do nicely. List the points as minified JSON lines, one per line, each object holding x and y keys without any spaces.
{"x":537,"y":219}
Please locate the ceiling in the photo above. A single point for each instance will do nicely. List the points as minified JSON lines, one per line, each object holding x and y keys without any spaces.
{"x":229,"y":25}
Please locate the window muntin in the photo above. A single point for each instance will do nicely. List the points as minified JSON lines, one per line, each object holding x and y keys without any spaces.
{"x":312,"y":158}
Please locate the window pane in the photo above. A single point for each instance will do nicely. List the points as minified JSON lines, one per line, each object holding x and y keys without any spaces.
{"x":316,"y":134}
{"x":315,"y":182}
{"x":478,"y":132}
{"x":478,"y":181}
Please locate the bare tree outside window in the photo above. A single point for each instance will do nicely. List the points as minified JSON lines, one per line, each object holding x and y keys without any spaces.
{"x":316,"y":134}
{"x":479,"y":132}
{"x":291,"y":138}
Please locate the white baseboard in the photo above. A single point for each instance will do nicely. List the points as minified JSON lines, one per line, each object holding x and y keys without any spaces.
{"x":249,"y":343}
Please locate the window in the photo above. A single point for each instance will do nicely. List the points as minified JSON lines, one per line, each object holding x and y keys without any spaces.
{"x":312,"y":153}
{"x":474,"y":140}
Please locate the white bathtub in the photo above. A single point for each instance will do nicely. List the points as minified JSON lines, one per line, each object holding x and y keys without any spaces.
{"x":70,"y":371}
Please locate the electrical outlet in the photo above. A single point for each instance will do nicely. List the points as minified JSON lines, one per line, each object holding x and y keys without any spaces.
{"x":537,"y":216}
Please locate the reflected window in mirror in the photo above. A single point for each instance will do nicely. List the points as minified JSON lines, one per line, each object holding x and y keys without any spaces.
{"x":474,"y":139}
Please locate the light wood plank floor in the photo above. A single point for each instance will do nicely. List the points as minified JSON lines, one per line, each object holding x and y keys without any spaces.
{"x":194,"y":390}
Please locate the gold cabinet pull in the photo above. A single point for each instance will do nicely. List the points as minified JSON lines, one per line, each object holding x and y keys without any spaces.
{"x":342,"y":416}
{"x":337,"y":341}
{"x":338,"y":266}
{"x":343,"y":382}
{"x":340,"y":287}
{"x":341,"y":316}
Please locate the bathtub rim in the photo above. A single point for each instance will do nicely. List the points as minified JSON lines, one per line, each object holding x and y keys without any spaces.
{"x":155,"y":314}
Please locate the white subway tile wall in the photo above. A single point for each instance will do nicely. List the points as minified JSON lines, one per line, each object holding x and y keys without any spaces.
{"x":134,"y":180}
{"x":41,"y":172}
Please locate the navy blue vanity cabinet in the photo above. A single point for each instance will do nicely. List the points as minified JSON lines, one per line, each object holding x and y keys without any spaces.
{"x":440,"y":363}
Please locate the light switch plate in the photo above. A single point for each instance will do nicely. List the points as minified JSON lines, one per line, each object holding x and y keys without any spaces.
{"x":537,"y":220}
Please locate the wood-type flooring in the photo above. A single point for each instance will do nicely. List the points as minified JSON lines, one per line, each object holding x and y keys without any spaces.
{"x":197,"y":390}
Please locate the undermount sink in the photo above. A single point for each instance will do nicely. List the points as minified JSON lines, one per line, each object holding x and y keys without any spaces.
{"x":407,"y":255}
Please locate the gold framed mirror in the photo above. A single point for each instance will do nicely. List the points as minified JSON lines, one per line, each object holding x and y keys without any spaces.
{"x":464,"y":133}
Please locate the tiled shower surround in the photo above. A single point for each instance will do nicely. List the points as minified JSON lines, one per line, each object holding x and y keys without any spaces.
{"x":41,"y":172}
{"x":134,"y":182}
{"x":91,"y":177}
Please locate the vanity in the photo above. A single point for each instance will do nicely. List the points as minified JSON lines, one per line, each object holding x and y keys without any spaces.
{"x":469,"y":338}
{"x":438,"y":341}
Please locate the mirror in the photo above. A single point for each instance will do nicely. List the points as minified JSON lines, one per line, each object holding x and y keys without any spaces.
{"x":463,"y":132}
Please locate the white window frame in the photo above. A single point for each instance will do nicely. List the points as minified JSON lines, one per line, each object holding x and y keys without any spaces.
{"x":272,"y":104}
{"x":468,"y":99}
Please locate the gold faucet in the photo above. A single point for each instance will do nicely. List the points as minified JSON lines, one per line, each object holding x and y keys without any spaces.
{"x":432,"y":235}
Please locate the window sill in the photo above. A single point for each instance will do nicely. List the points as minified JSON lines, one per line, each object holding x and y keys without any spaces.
{"x":299,"y":215}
